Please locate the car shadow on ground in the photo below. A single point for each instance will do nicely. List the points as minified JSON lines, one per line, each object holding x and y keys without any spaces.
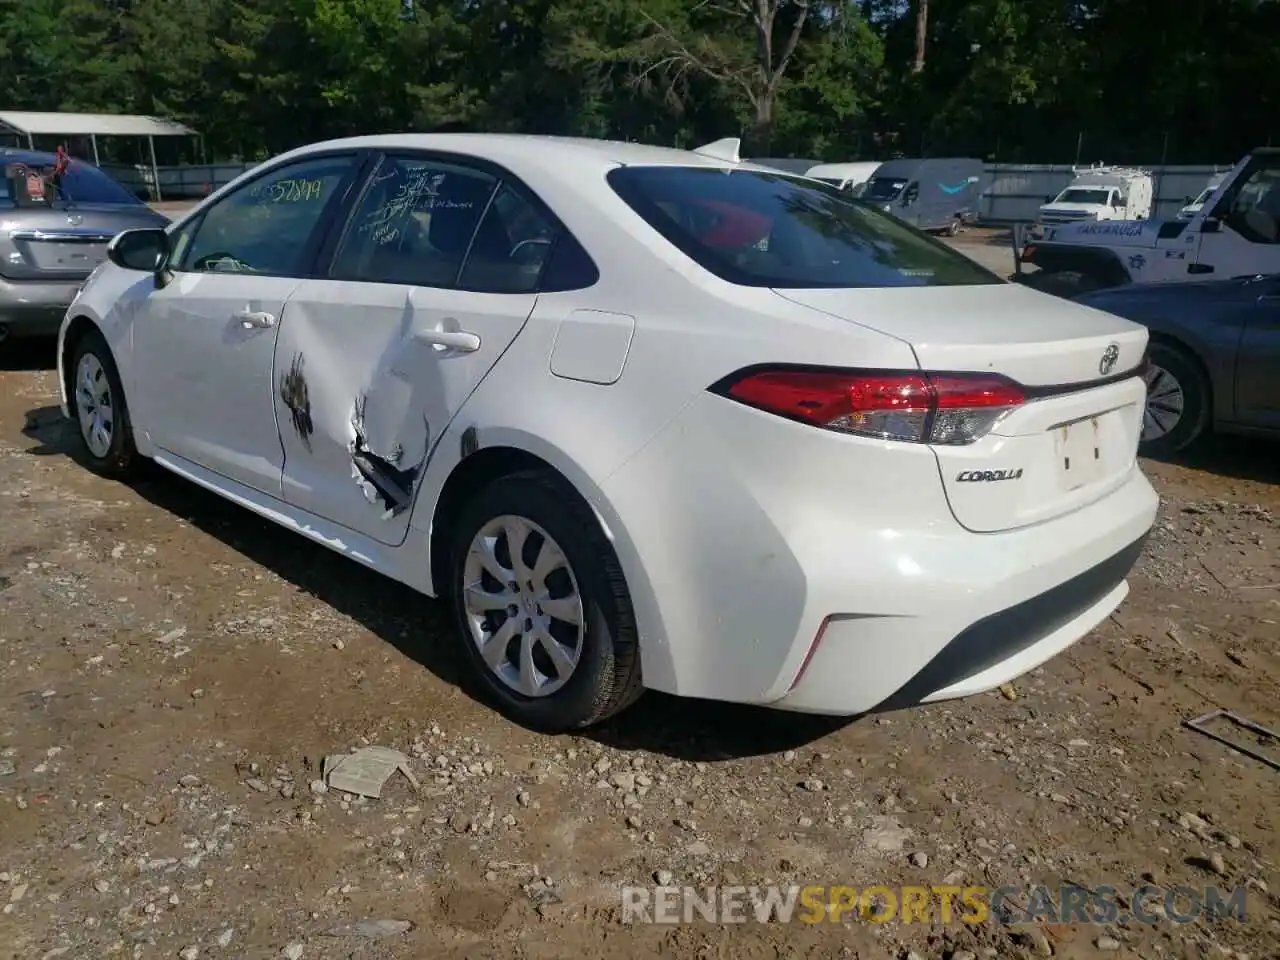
{"x":30,"y":355}
{"x":674,"y":727}
{"x":1256,"y":459}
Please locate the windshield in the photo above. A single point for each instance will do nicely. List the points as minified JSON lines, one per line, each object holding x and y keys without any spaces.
{"x":771,"y":230}
{"x":80,"y":183}
{"x":883,"y":188}
{"x":1080,"y":195}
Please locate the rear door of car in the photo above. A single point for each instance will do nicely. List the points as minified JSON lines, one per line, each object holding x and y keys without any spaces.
{"x":432,"y":278}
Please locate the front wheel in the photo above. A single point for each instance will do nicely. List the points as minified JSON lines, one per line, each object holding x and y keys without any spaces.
{"x":546,"y":621}
{"x":1178,"y":402}
{"x":98,"y":404}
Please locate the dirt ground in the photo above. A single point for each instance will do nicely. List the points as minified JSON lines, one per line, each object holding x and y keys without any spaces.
{"x":172,"y":671}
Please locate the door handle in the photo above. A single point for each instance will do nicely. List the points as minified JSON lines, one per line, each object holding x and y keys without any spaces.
{"x":1199,"y":268}
{"x":249,"y":319}
{"x":459,"y":340}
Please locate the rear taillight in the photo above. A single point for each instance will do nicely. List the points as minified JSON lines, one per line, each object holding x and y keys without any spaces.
{"x":944,"y":408}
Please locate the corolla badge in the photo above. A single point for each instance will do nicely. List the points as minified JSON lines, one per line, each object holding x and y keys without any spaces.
{"x":1110,"y":357}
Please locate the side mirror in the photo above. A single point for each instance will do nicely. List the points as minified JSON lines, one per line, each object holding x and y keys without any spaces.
{"x":145,"y":249}
{"x":1211,"y":225}
{"x":1048,"y":199}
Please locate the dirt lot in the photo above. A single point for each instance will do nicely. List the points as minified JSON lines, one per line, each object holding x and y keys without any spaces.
{"x":173,"y":670}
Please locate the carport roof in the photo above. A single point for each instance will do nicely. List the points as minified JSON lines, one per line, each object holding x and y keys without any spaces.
{"x":91,"y":124}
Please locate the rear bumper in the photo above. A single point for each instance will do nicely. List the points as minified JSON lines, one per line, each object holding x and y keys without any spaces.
{"x":35,"y":309}
{"x":759,"y":537}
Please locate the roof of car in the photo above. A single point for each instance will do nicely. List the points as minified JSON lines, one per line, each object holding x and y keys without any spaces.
{"x":32,"y":157}
{"x":537,"y":149}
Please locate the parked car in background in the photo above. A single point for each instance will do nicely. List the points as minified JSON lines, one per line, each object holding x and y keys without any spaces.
{"x":54,"y":229}
{"x":1214,"y":356}
{"x":1196,"y":204}
{"x":845,"y":176}
{"x":1101,"y":193}
{"x":1236,"y":234}
{"x":936,"y":194}
{"x":566,"y":384}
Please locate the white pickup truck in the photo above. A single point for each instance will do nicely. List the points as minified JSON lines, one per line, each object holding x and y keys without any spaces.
{"x":1237,"y":234}
{"x":1101,"y":193}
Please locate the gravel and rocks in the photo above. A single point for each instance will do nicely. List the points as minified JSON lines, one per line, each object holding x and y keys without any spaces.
{"x":175,"y":671}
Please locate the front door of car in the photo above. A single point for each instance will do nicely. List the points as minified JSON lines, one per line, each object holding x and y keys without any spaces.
{"x":205,"y":340}
{"x":1258,"y":363}
{"x":431,"y":280}
{"x":1243,"y":238}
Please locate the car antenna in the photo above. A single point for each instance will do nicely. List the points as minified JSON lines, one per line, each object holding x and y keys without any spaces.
{"x":726,"y":149}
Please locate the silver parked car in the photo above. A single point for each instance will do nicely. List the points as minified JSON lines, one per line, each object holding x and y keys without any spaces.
{"x":54,"y":229}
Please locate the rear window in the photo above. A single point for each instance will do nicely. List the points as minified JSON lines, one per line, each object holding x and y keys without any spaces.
{"x":771,"y":230}
{"x":80,"y":183}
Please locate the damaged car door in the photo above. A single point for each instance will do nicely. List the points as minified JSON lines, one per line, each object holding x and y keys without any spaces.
{"x":206,"y":337}
{"x":432,"y":278}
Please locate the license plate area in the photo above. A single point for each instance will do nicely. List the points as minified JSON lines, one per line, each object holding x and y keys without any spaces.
{"x":66,"y":257}
{"x":1082,"y":452}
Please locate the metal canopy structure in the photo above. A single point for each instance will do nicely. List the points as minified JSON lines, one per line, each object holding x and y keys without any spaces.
{"x":93,"y":125}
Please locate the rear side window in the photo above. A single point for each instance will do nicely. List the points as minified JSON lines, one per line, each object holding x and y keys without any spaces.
{"x":761,"y":229}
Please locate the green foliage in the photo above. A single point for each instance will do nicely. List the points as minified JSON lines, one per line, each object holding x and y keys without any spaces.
{"x":1011,"y":80}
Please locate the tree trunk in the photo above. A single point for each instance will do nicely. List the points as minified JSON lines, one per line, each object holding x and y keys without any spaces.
{"x":922,"y":32}
{"x":762,"y":134}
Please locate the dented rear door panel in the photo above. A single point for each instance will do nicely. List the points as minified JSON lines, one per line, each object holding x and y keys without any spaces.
{"x":368,"y":376}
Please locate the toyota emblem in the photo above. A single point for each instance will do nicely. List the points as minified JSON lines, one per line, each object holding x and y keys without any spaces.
{"x":1110,"y":357}
{"x":74,"y":219}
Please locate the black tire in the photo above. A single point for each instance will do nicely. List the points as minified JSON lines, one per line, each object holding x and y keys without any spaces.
{"x":1174,"y":363}
{"x":1061,"y":283}
{"x":606,"y":679}
{"x":121,"y":460}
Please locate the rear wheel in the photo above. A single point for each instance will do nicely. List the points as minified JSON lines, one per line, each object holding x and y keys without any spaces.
{"x":546,"y":621}
{"x":98,"y":404}
{"x":1178,"y":402}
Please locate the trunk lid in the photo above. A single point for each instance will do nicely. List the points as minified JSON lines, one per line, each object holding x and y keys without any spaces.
{"x":1073,"y":440}
{"x":67,"y":242}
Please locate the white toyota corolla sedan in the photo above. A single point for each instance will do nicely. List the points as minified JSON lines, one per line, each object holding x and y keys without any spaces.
{"x":648,"y":418}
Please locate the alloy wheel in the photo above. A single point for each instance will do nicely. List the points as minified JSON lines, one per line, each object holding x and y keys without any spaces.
{"x":523,"y":606}
{"x":1165,"y":403}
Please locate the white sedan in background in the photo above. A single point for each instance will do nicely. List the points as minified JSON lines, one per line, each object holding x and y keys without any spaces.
{"x":645,"y":417}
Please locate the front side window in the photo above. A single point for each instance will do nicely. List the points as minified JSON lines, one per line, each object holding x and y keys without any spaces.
{"x":883,"y":189}
{"x":1252,"y":207}
{"x":772,"y":230}
{"x":264,"y":227}
{"x":415,"y":223}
